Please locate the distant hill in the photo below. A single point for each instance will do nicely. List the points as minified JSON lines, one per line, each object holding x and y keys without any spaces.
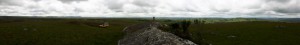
{"x":282,"y":19}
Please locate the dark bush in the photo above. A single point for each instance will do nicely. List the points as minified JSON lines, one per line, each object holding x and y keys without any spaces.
{"x":175,"y":28}
{"x":185,"y":33}
{"x":181,"y":29}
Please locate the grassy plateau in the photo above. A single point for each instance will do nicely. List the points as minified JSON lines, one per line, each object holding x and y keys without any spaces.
{"x":85,"y":31}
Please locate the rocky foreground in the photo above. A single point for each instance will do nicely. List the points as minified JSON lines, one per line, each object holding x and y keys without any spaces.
{"x":149,"y":34}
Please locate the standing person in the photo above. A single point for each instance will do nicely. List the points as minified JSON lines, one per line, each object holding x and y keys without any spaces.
{"x":153,"y":19}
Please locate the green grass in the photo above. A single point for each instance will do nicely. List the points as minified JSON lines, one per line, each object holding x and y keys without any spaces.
{"x":248,"y":33}
{"x":44,"y":31}
{"x":60,"y":32}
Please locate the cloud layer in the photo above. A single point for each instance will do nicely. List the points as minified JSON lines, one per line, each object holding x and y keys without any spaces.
{"x":149,"y":8}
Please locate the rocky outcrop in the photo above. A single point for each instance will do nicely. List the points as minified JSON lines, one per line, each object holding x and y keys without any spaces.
{"x":149,"y":34}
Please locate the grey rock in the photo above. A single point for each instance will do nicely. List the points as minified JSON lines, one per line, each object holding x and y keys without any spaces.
{"x":149,"y":34}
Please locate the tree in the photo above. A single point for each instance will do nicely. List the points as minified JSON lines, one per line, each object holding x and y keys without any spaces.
{"x":196,"y":21}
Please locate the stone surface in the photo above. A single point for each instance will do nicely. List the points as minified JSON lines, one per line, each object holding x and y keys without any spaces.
{"x":149,"y":34}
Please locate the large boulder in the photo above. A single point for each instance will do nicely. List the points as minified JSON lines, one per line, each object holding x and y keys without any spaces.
{"x":149,"y":34}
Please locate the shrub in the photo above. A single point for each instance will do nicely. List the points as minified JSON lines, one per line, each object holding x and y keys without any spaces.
{"x":181,"y":29}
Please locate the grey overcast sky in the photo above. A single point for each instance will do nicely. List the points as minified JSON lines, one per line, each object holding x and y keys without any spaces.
{"x":149,"y":8}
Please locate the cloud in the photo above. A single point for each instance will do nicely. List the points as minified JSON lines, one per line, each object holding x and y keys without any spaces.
{"x":69,"y":1}
{"x":278,"y":1}
{"x":148,"y":8}
{"x":290,"y":7}
{"x":11,"y":2}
